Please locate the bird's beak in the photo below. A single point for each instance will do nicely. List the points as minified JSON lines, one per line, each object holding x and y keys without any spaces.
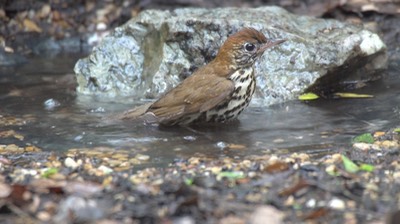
{"x":270,"y":44}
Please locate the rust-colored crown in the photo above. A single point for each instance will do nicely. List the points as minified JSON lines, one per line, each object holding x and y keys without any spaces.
{"x":242,"y":48}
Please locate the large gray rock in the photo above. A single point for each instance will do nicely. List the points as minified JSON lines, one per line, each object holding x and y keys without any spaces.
{"x":155,"y":50}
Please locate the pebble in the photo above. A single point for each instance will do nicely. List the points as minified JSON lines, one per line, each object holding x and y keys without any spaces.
{"x":331,"y":169}
{"x":390,"y":144}
{"x":43,"y":216}
{"x":337,"y":204}
{"x":221,"y":145}
{"x":311,"y":203}
{"x":396,"y":176}
{"x":70,"y":163}
{"x":105,"y":169}
{"x":142,"y":157}
{"x":362,"y":146}
{"x":51,"y":104}
{"x":254,"y":197}
{"x":301,"y":156}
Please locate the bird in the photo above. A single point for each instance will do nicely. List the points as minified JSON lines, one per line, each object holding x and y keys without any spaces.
{"x":215,"y":93}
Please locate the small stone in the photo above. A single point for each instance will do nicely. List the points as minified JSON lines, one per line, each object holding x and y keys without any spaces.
{"x":190,"y":138}
{"x":231,"y":219}
{"x":396,"y":176}
{"x":331,"y":169}
{"x":113,"y":162}
{"x":135,"y":179}
{"x":221,"y":145}
{"x":263,"y":213}
{"x":134,"y":161}
{"x":311,"y":203}
{"x":254,"y":197}
{"x":390,"y":144}
{"x":51,"y":104}
{"x":43,"y":216}
{"x":301,"y":156}
{"x":362,"y":146}
{"x":101,"y":26}
{"x":142,"y":157}
{"x":184,"y":220}
{"x":337,"y":204}
{"x":278,"y":140}
{"x":289,"y":201}
{"x":44,"y":11}
{"x":32,"y":149}
{"x":5,"y":190}
{"x":70,"y":163}
{"x":106,"y":170}
{"x":216,"y":169}
{"x":246,"y":163}
{"x":13,"y":148}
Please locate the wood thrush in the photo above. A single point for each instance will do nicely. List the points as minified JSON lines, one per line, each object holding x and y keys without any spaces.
{"x":216,"y":92}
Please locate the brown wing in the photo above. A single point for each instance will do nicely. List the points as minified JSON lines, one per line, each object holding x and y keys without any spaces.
{"x":200,"y":92}
{"x":135,"y":112}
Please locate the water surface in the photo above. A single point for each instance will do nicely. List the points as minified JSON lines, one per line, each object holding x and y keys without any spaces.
{"x":43,"y":90}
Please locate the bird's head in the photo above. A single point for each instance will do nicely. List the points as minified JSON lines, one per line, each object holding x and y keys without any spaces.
{"x":244,"y":47}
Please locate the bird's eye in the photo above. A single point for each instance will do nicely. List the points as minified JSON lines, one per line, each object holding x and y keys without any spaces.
{"x":249,"y":47}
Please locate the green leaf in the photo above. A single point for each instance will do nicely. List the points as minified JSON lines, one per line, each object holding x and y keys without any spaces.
{"x":308,"y":96}
{"x":353,"y":95}
{"x":50,"y":171}
{"x":366,"y":138}
{"x":367,"y":167}
{"x":231,"y":175}
{"x":188,"y":181}
{"x":349,"y":165}
{"x":332,"y":172}
{"x":397,"y":130}
{"x":297,"y":206}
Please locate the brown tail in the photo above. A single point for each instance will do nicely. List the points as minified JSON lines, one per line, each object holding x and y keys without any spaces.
{"x":134,"y":113}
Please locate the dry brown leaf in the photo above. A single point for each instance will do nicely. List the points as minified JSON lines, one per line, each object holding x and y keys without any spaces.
{"x":315,"y":214}
{"x":277,"y":166}
{"x":293,"y":189}
{"x":31,"y":26}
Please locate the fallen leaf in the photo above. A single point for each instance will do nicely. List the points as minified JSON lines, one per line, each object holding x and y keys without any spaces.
{"x":365,"y":138}
{"x":277,"y":166}
{"x":308,"y":96}
{"x":236,"y":146}
{"x":349,"y":165}
{"x":367,"y":167}
{"x":31,"y":26}
{"x":379,"y":134}
{"x":353,"y":95}
{"x":50,"y":171}
{"x":293,"y":189}
{"x":315,"y":214}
